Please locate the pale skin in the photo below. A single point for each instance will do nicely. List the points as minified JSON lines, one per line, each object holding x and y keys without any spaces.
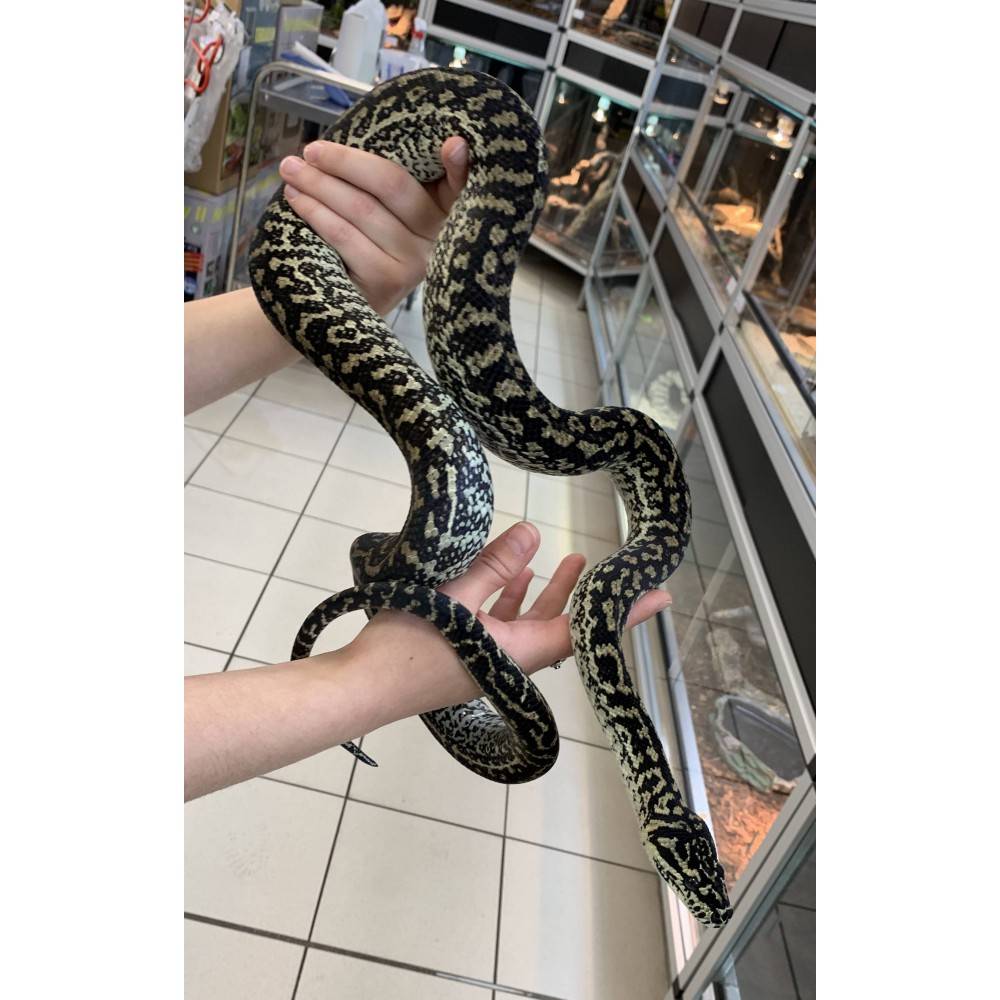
{"x":244,"y":723}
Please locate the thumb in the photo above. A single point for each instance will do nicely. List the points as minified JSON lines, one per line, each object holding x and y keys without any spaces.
{"x":497,"y":565}
{"x":455,"y":159}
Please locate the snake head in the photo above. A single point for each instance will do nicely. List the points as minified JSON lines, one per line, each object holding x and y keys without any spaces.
{"x":683,"y":852}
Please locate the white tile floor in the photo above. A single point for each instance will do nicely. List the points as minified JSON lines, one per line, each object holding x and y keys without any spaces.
{"x":416,"y":881}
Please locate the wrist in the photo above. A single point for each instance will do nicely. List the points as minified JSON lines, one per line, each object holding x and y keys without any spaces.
{"x":406,"y":667}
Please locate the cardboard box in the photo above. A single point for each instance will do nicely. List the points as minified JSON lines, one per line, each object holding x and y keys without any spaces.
{"x":208,"y":225}
{"x":274,"y":135}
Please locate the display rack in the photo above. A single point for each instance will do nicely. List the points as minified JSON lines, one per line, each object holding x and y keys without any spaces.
{"x":713,"y":334}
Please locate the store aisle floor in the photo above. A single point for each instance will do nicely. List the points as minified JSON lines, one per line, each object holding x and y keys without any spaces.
{"x":418,"y":880}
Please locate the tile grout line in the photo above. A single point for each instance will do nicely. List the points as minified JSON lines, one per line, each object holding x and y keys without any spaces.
{"x":256,"y":603}
{"x":326,"y":871}
{"x":215,"y":443}
{"x":365,"y":957}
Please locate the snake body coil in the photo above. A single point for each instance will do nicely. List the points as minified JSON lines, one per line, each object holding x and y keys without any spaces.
{"x":484,"y":394}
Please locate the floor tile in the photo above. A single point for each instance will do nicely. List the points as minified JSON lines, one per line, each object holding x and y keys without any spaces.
{"x":571,"y":927}
{"x":198,"y":660}
{"x":224,"y":964}
{"x":509,"y":487}
{"x":568,"y":395}
{"x":558,"y":500}
{"x":563,"y":690}
{"x":414,"y":890}
{"x":245,"y":470}
{"x":362,"y":418}
{"x":576,"y":343}
{"x":217,"y":601}
{"x":327,"y":976}
{"x":255,"y":854}
{"x":566,"y":366}
{"x":317,"y":555}
{"x":217,"y":416}
{"x":306,"y":390}
{"x":526,"y":287}
{"x":524,"y":320}
{"x":562,"y":316}
{"x":234,"y":530}
{"x":197,"y":445}
{"x":286,"y":429}
{"x":559,"y":542}
{"x":417,"y":774}
{"x":360,"y":502}
{"x":282,"y":609}
{"x":373,"y":453}
{"x":580,"y":805}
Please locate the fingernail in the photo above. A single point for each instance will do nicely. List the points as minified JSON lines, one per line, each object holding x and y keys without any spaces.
{"x":459,"y":156}
{"x":291,"y":193}
{"x":311,"y":152}
{"x":522,"y":536}
{"x":291,"y":165}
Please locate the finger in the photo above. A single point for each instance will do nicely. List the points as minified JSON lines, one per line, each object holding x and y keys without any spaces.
{"x":552,"y":600}
{"x":508,"y":605}
{"x":404,"y":196}
{"x":361,"y":209}
{"x":539,"y":643}
{"x":535,"y":644}
{"x":455,"y":159}
{"x":358,"y":253}
{"x":649,"y":604}
{"x":497,"y":565}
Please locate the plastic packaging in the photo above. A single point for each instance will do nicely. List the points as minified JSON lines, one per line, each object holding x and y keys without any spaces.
{"x":213,"y":49}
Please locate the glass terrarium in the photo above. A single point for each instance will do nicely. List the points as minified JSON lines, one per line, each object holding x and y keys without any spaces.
{"x":777,"y":958}
{"x":777,"y":322}
{"x":634,"y":24}
{"x":740,"y":751}
{"x":616,"y":275}
{"x":651,"y":374}
{"x":670,"y":135}
{"x":585,"y":137}
{"x":754,"y":152}
{"x":547,"y":10}
{"x":523,"y":80}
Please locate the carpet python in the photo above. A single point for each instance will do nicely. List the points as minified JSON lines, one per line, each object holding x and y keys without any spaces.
{"x":484,"y":396}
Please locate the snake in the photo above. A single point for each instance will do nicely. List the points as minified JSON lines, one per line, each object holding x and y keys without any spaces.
{"x":480,"y":397}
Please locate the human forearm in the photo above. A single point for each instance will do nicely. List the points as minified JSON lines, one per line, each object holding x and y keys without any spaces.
{"x":244,"y":723}
{"x":228,"y":343}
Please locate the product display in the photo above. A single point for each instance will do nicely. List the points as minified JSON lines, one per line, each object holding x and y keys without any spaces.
{"x":307,"y":294}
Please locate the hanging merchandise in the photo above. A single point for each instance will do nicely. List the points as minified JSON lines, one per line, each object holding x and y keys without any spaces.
{"x":361,"y":34}
{"x":213,"y":49}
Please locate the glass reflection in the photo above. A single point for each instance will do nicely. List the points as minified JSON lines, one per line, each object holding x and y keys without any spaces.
{"x":738,"y":740}
{"x":633,"y":24}
{"x":585,"y":137}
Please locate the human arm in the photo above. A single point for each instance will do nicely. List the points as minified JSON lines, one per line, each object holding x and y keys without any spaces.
{"x":378,"y":218}
{"x":245,"y":723}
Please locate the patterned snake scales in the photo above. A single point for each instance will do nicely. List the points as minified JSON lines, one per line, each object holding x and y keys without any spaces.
{"x":484,"y":396}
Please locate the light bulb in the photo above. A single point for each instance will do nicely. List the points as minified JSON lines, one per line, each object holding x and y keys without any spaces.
{"x":458,"y":57}
{"x":561,"y":96}
{"x":651,"y":122}
{"x":601,"y":114}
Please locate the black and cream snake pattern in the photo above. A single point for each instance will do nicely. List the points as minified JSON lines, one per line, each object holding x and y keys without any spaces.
{"x":484,"y":396}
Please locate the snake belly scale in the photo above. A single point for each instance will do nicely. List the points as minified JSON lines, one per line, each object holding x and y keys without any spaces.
{"x":484,"y":395}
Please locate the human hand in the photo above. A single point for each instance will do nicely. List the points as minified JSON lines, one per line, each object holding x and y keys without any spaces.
{"x":535,"y":639}
{"x":380,"y":220}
